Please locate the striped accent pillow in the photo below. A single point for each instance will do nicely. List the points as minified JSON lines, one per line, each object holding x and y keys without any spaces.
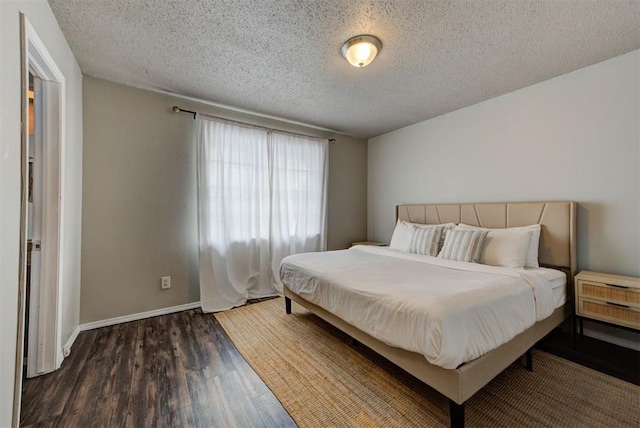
{"x":463,"y":245}
{"x":425,"y":240}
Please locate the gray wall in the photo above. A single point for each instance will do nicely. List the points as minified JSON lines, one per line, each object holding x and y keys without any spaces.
{"x":41,"y":18}
{"x":575,"y":137}
{"x":139,"y":201}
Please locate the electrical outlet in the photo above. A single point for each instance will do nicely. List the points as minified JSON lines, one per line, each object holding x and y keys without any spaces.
{"x":165,"y":282}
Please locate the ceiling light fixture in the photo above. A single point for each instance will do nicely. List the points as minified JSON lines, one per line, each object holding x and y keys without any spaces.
{"x":360,"y":51}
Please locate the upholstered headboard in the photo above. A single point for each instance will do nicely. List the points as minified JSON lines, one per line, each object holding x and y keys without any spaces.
{"x":558,"y":221}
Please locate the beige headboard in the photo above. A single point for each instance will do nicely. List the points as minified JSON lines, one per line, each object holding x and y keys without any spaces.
{"x":558,"y":221}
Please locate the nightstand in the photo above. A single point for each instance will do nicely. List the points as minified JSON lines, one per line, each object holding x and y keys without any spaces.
{"x":372,"y":243}
{"x":607,"y":298}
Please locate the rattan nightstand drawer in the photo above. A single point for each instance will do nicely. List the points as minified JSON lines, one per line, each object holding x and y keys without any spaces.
{"x":611,"y":293}
{"x":610,"y":312}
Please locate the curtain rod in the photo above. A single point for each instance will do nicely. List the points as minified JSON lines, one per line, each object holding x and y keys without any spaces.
{"x":177,"y":109}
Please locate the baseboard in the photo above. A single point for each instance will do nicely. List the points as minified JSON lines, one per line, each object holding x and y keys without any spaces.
{"x":66,"y":349}
{"x":138,"y":316}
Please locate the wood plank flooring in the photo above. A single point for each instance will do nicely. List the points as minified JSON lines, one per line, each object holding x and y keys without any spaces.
{"x":174,"y":370}
{"x":605,"y":357}
{"x":183,"y":370}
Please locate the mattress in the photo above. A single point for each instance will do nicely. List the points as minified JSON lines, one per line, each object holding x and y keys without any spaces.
{"x":558,"y":283}
{"x":451,"y":312}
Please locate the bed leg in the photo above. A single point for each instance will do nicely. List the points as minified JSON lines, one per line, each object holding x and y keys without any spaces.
{"x":529,"y":357}
{"x":581,"y":327}
{"x":456,"y":414}
{"x":287,"y":305}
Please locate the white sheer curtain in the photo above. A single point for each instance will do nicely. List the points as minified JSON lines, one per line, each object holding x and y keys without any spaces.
{"x":299,"y":177}
{"x":261,"y":197}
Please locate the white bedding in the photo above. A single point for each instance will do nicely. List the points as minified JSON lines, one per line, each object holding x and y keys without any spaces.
{"x":558,"y":283}
{"x":451,"y":312}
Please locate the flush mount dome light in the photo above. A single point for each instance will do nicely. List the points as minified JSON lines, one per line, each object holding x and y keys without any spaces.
{"x":361,"y":50}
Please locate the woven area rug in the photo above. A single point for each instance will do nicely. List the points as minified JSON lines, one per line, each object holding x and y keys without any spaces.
{"x":324,"y":381}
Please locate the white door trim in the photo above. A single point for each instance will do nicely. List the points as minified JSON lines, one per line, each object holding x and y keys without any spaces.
{"x":45,"y":320}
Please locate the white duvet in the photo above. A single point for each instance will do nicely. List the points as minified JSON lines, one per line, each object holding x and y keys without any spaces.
{"x":451,"y":312}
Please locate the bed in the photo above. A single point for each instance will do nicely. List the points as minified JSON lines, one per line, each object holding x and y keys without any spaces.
{"x":455,"y":372}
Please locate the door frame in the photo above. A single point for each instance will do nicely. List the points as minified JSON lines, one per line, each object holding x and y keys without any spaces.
{"x":45,"y":313}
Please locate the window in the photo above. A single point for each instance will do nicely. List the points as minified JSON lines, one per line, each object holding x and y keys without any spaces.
{"x":261,"y":197}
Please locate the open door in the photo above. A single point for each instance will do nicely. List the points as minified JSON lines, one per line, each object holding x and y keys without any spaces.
{"x":44,"y":249}
{"x":43,"y":335}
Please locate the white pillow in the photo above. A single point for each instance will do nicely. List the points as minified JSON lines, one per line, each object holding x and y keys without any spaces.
{"x":531,"y":255}
{"x":401,"y":238}
{"x":403,"y":235}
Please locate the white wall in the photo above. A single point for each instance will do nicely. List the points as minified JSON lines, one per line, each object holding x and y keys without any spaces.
{"x":45,"y":24}
{"x":575,"y":137}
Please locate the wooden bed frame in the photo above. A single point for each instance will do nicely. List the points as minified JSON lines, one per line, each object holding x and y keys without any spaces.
{"x":557,"y":250}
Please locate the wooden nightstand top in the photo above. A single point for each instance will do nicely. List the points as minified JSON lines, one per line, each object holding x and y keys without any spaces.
{"x":372,"y":243}
{"x":608,"y":278}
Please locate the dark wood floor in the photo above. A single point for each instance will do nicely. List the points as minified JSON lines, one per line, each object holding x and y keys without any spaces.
{"x":174,"y":370}
{"x":183,"y":370}
{"x":605,"y":357}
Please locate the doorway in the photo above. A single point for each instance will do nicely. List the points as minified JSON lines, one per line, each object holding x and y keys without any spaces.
{"x":39,"y":348}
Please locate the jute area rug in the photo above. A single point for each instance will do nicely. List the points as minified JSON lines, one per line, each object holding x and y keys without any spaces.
{"x":322,"y":380}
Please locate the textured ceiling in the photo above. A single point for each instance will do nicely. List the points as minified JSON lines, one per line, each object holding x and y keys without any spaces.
{"x":282,"y":57}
